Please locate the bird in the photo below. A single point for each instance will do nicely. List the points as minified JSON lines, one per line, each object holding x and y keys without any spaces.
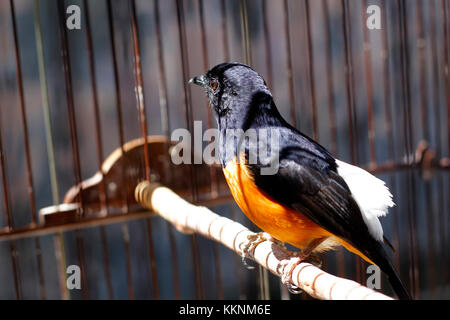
{"x":310,"y":199}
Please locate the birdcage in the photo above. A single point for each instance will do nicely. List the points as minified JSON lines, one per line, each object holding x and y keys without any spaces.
{"x":90,"y":92}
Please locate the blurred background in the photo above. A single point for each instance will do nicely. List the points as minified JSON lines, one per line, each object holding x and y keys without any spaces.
{"x":378,"y":98}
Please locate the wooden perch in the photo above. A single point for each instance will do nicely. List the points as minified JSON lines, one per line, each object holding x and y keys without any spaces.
{"x":189,"y":218}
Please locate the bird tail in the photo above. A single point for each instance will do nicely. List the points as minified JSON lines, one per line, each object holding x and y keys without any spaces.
{"x":379,"y":256}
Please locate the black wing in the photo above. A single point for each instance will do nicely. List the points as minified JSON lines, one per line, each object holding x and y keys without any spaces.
{"x":307,"y":181}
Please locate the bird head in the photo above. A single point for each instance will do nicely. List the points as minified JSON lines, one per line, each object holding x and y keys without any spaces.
{"x":231,"y":88}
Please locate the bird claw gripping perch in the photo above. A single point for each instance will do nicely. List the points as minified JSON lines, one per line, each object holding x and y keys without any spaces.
{"x":253,"y":240}
{"x":287,"y":266}
{"x":248,"y":247}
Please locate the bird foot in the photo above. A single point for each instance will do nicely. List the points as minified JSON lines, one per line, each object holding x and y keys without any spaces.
{"x":248,"y":247}
{"x":287,"y":266}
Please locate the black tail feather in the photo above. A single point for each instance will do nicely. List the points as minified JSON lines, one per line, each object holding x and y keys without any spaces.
{"x":379,"y":256}
{"x":388,"y":243}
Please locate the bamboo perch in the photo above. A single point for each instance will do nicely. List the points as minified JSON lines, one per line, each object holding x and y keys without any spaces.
{"x":189,"y":218}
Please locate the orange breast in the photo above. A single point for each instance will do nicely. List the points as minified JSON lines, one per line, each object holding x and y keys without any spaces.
{"x":283,"y":223}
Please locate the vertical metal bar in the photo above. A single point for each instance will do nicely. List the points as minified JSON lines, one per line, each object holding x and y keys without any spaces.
{"x":446,"y":68}
{"x":163,"y":101}
{"x":264,"y":293}
{"x":369,"y":95}
{"x":425,"y":135}
{"x":126,"y":243}
{"x":245,"y":33}
{"x":430,"y":242}
{"x":218,"y":270}
{"x":98,"y":131}
{"x":331,"y":107}
{"x":82,"y":261}
{"x":329,"y":68}
{"x":162,"y":79}
{"x":108,"y":278}
{"x":223,"y":19}
{"x":99,"y":145}
{"x":196,"y":260}
{"x":125,"y":207}
{"x":267,"y":46}
{"x":349,"y":77}
{"x":444,"y":6}
{"x":187,"y":89}
{"x":141,"y":106}
{"x":289,"y":70}
{"x":61,"y":265}
{"x":49,"y":144}
{"x":387,"y":83}
{"x":405,"y":62}
{"x":72,"y":123}
{"x":388,"y":117}
{"x":8,"y":215}
{"x":23,"y":116}
{"x":38,"y":252}
{"x":45,"y":104}
{"x":369,"y":86}
{"x":118,"y":104}
{"x":310,"y":65}
{"x":437,"y":130}
{"x":70,"y":102}
{"x":237,"y":264}
{"x":188,"y":114}
{"x":184,"y":63}
{"x":351,"y":108}
{"x":9,"y":221}
{"x":16,"y":270}
{"x":437,"y":69}
{"x":247,"y":49}
{"x":214,"y":184}
{"x":139,"y":86}
{"x":422,"y":73}
{"x":175,"y":264}
{"x":27,"y":149}
{"x":152,"y":258}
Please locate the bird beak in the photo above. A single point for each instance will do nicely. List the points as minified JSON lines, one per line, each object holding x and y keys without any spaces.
{"x":199,"y":80}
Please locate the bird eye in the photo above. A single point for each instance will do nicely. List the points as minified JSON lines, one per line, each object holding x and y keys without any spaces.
{"x":213,"y":84}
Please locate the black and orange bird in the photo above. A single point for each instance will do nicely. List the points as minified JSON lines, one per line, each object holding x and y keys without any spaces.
{"x":311,"y":200}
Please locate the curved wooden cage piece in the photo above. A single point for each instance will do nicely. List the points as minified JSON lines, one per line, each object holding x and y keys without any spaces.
{"x":111,"y":191}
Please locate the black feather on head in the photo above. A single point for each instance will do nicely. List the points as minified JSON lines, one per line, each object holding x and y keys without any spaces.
{"x":231,"y":86}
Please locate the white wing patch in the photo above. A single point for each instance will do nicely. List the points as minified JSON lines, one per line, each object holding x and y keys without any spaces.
{"x":370,"y":193}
